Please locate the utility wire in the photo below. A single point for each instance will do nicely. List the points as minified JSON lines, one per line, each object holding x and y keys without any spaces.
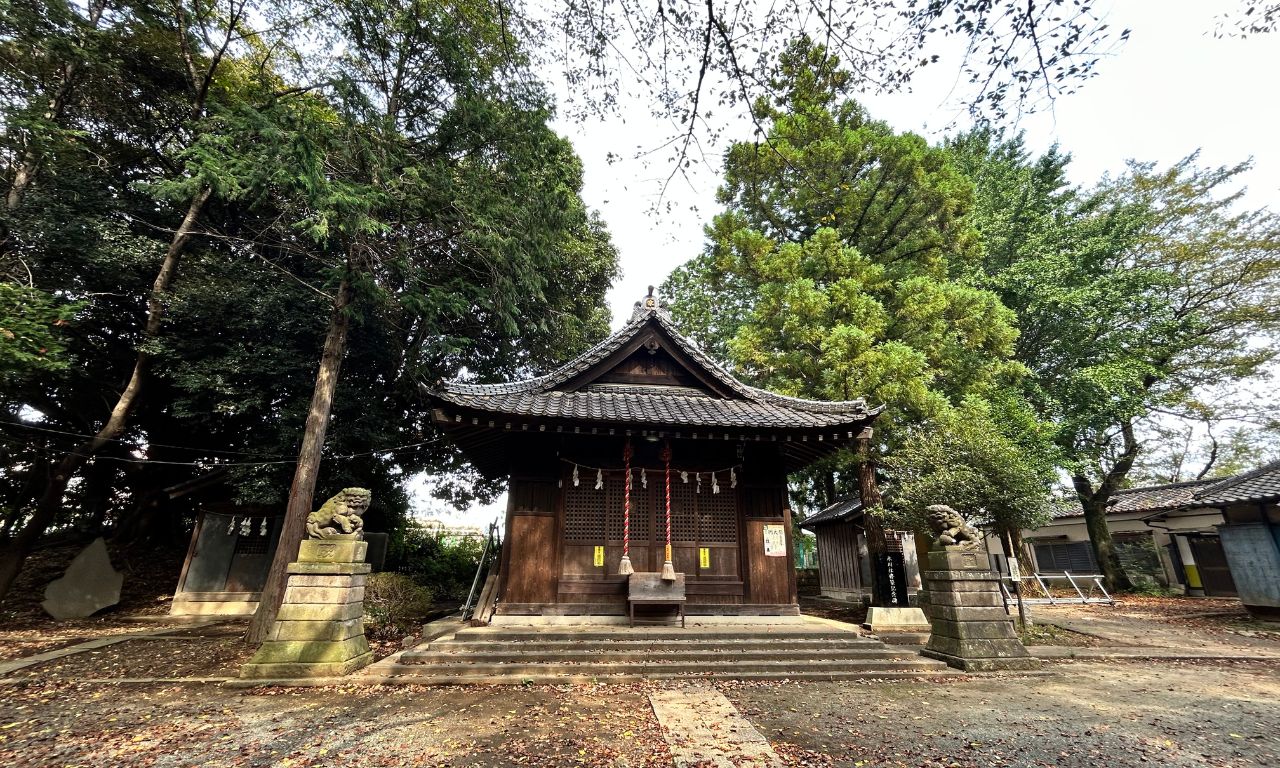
{"x":214,"y":463}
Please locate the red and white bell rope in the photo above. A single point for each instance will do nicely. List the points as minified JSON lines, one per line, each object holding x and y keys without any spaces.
{"x":668,"y":568}
{"x":624,"y":566}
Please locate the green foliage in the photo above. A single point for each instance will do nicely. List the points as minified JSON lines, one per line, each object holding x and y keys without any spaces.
{"x":838,"y":269}
{"x":438,"y":184}
{"x":30,"y":341}
{"x":394,"y":602}
{"x":978,"y":459}
{"x":845,"y":265}
{"x":446,"y":564}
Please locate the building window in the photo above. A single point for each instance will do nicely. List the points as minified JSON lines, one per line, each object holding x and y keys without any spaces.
{"x":1073,"y":556}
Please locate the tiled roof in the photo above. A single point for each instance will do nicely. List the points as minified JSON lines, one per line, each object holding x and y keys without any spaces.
{"x":681,"y":406}
{"x":1262,"y":484}
{"x":841,"y":510}
{"x":1153,"y":498}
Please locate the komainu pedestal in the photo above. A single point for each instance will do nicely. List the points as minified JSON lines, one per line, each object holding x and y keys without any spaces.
{"x":971,"y":630}
{"x":319,"y":631}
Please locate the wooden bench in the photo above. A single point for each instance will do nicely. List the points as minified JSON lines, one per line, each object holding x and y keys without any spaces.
{"x":651,"y":589}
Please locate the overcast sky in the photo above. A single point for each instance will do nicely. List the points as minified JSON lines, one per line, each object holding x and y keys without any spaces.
{"x":1170,"y":90}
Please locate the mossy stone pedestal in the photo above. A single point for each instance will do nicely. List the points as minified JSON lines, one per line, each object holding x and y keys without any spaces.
{"x":971,"y":630}
{"x":319,"y":631}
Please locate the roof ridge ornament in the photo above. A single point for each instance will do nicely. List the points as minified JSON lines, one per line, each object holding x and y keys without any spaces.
{"x":650,"y":305}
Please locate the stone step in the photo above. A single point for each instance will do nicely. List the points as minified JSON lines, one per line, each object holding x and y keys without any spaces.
{"x":650,"y":634}
{"x":445,"y":654}
{"x":777,"y":667}
{"x":757,"y":643}
{"x":414,"y":674}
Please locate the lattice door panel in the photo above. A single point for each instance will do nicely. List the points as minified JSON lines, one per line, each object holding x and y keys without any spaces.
{"x":585,"y":509}
{"x":718,"y":517}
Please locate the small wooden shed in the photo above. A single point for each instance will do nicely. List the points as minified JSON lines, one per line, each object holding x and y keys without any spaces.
{"x":844,"y":564}
{"x":640,"y":450}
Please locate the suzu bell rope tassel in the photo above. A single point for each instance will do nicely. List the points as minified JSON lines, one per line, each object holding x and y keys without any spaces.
{"x":668,"y":568}
{"x":624,"y":566}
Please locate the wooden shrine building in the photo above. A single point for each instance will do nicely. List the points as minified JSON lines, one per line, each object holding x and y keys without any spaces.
{"x":646,"y":404}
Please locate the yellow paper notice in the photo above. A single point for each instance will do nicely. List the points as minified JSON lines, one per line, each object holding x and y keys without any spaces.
{"x":704,"y":557}
{"x":599,"y":558}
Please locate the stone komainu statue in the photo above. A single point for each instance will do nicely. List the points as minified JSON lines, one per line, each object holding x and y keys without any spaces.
{"x":949,"y":528}
{"x":341,"y":515}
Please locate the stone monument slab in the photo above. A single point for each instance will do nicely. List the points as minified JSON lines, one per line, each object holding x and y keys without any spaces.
{"x":89,"y":585}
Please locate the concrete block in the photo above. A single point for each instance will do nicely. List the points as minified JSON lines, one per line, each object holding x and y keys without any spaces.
{"x":319,"y":612}
{"x":976,"y":648}
{"x":292,"y":670}
{"x":329,"y":568}
{"x":332,"y":551}
{"x":975,"y":630}
{"x":896,"y":620}
{"x":316,"y":630}
{"x":961,"y":576}
{"x":973,"y":599}
{"x":965,"y":613}
{"x":310,"y":651}
{"x":327,"y":580}
{"x":941,"y":585}
{"x":326,"y":595}
{"x":958,"y":560}
{"x":1020,"y":664}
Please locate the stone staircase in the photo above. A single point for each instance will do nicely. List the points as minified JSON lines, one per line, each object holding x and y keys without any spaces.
{"x":514,"y":655}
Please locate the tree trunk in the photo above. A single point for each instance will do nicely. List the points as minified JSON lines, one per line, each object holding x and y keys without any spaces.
{"x":1095,"y":520}
{"x":304,"y":477}
{"x":28,"y":166}
{"x":877,"y":547}
{"x":16,"y":549}
{"x":1095,"y":501}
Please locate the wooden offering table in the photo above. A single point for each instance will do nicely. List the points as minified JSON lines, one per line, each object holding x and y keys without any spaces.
{"x":652,"y":589}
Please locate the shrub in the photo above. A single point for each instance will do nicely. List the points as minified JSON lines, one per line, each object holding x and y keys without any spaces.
{"x":444,"y":564}
{"x":393,"y":602}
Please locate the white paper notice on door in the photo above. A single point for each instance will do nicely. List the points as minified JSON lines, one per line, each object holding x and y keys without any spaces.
{"x":775,"y":541}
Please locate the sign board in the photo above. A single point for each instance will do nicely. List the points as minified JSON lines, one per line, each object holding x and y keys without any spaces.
{"x":704,"y":557}
{"x":775,"y":540}
{"x":599,"y":557}
{"x":891,"y":572}
{"x":1015,"y":571}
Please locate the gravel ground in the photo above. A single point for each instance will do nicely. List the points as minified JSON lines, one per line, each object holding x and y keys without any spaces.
{"x":1114,"y":714}
{"x":1117,"y":714}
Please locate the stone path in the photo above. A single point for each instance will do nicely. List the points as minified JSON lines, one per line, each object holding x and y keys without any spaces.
{"x":14,"y":665}
{"x":702,"y":728}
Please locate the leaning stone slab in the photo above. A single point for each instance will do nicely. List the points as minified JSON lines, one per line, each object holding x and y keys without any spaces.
{"x":89,"y":585}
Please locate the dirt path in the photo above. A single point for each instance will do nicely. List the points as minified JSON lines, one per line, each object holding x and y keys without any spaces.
{"x":1126,"y":714}
{"x":1210,"y":626}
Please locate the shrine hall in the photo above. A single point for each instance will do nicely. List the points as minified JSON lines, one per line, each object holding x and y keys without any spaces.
{"x":643,"y":456}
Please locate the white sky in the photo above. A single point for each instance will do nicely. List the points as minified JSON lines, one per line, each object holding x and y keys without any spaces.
{"x":1170,"y":90}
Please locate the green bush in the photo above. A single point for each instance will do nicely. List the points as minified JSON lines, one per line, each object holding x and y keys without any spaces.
{"x":442,"y":563}
{"x":394,"y":602}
